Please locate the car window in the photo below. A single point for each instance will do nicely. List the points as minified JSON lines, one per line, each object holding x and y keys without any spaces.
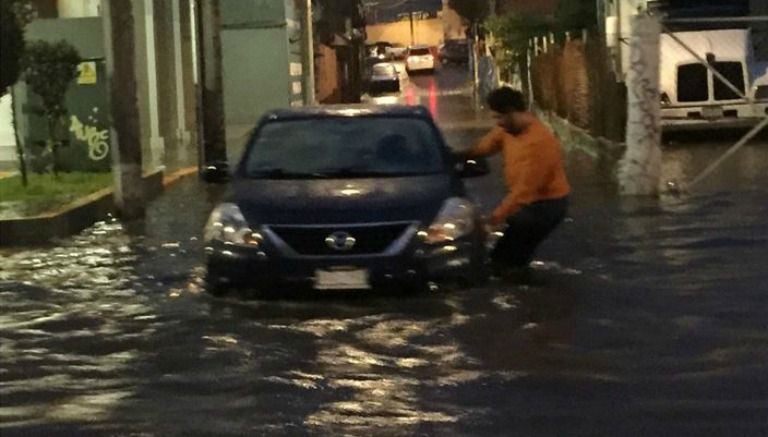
{"x":345,"y":147}
{"x":420,"y":52}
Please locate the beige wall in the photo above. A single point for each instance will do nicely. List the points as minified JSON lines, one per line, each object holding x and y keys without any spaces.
{"x":453,"y":25}
{"x":327,"y":75}
{"x":429,"y":32}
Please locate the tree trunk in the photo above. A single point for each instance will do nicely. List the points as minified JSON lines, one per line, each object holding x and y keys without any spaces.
{"x":53,"y":143}
{"x":211,"y":81}
{"x":127,"y":153}
{"x":19,"y":146}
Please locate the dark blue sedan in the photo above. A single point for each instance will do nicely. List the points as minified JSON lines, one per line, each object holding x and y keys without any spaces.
{"x":345,"y":198}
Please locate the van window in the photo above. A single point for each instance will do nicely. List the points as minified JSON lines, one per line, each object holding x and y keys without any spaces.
{"x":762,"y":92}
{"x":692,"y":84}
{"x":734,"y":72}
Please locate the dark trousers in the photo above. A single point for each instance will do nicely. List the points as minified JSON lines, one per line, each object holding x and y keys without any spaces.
{"x":527,"y":229}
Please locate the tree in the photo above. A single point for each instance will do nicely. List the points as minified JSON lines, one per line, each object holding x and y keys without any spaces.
{"x":474,"y":11}
{"x":576,"y":15}
{"x":14,"y":16}
{"x":514,"y":33}
{"x":11,"y":46}
{"x":49,"y":68}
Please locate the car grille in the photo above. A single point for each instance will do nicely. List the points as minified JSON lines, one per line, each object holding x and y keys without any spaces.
{"x":369,"y":240}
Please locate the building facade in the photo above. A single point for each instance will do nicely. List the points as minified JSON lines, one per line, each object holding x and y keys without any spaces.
{"x":165,"y":72}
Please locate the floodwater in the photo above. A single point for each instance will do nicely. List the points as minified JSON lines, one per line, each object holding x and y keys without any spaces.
{"x":646,"y":317}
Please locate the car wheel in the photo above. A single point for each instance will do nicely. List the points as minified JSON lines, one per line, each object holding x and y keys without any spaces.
{"x":217,"y":285}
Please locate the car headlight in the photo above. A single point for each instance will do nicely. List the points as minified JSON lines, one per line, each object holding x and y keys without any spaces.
{"x":228,"y":225}
{"x":455,"y":220}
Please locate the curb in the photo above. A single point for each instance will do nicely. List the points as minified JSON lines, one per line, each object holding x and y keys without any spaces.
{"x":80,"y":214}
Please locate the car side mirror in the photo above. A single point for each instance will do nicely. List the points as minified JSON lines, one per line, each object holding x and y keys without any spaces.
{"x":216,"y":173}
{"x":473,"y":168}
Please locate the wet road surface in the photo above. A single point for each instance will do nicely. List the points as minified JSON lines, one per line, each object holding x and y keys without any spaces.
{"x":646,"y":317}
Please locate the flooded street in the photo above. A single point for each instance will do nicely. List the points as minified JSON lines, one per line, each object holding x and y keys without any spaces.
{"x":646,"y":317}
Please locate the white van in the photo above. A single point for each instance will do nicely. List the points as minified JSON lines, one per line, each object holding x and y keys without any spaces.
{"x":691,"y":96}
{"x":760,"y":87}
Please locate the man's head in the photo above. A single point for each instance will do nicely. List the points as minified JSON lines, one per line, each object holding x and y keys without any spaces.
{"x":510,"y":109}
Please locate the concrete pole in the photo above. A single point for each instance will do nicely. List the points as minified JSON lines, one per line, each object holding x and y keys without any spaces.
{"x":146,"y":75}
{"x":476,"y":64}
{"x":120,"y":51}
{"x":640,"y":169}
{"x":309,"y":55}
{"x":182,"y":135}
{"x":214,"y":139}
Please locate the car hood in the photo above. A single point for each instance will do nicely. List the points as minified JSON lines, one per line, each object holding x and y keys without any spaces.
{"x":341,"y":201}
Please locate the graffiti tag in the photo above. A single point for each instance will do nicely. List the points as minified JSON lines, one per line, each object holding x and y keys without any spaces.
{"x":98,"y":147}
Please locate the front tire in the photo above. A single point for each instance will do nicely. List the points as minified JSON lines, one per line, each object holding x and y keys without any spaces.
{"x":216,"y":285}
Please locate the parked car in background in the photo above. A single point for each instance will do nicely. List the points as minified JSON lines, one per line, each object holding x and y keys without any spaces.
{"x":384,"y":79}
{"x":455,"y":51}
{"x":420,"y":59}
{"x":397,"y":51}
{"x":345,"y":198}
{"x":381,"y":50}
{"x":692,"y":96}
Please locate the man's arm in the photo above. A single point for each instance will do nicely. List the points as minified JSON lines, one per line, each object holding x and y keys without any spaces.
{"x":488,"y":145}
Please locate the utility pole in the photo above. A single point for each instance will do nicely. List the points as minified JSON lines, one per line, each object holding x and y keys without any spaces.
{"x":211,"y":98}
{"x":413,"y":31}
{"x":640,"y":169}
{"x":309,"y":54}
{"x":120,"y":45}
{"x":476,"y":63}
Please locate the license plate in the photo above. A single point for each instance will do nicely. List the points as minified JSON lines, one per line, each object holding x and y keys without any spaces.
{"x":712,"y":112}
{"x":342,"y":279}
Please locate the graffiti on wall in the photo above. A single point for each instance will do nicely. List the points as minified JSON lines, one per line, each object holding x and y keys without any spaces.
{"x":96,"y":139}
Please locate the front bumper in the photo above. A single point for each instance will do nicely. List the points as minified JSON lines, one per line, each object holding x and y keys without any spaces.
{"x":408,"y":261}
{"x":729,"y":116}
{"x":414,"y":266}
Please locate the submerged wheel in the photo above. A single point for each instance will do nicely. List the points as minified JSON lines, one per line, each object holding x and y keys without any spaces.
{"x":216,"y":285}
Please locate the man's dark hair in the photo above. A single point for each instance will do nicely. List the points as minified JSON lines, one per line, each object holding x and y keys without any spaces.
{"x":505,"y":100}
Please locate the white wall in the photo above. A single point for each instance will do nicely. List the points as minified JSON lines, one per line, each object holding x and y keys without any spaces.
{"x":79,"y":8}
{"x":7,"y":141}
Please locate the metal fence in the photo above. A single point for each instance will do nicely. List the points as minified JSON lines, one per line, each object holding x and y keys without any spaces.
{"x":571,"y":76}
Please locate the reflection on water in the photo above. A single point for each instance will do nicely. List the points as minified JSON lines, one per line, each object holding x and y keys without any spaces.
{"x":651,"y":321}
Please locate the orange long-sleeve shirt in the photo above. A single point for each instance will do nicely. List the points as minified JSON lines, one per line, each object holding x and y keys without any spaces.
{"x":533,"y":166}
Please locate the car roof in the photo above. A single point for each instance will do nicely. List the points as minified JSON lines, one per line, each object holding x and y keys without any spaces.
{"x":419,"y":46}
{"x":352,"y":111}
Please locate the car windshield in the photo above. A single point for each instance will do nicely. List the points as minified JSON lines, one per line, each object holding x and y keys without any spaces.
{"x":342,"y":147}
{"x":383,"y":70}
{"x":420,"y":52}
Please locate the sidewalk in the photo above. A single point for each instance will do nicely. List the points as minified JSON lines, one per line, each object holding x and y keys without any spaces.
{"x":7,"y":174}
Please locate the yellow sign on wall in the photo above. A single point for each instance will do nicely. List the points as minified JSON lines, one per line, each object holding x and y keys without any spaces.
{"x":86,"y":73}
